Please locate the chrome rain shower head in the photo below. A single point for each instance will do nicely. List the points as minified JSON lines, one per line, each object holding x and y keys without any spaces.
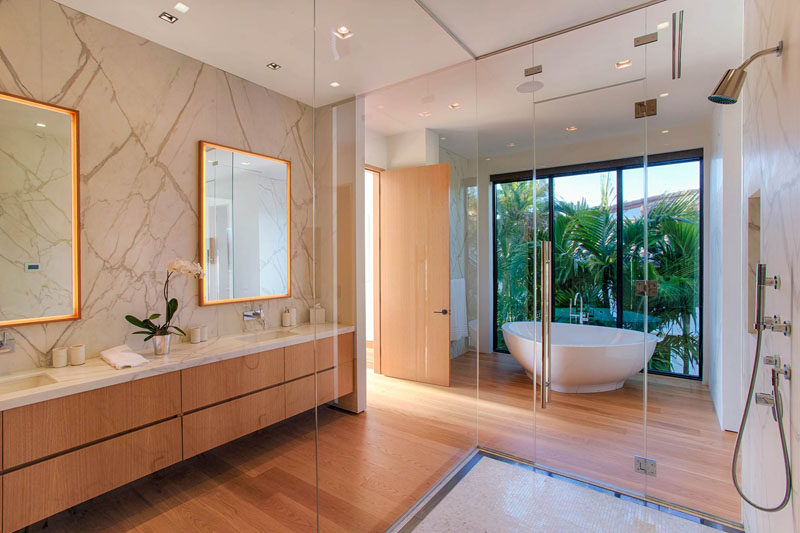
{"x":730,"y":86}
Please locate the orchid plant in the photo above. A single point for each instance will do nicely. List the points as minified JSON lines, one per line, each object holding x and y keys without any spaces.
{"x":150,"y":328}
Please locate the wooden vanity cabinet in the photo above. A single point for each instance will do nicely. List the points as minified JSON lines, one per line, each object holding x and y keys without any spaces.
{"x":42,"y":429}
{"x":35,"y":492}
{"x":215,"y":382}
{"x":58,"y":453}
{"x":211,"y":427}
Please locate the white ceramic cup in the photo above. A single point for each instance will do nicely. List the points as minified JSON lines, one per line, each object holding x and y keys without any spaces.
{"x":77,"y":354}
{"x":196,"y":335}
{"x":60,"y":357}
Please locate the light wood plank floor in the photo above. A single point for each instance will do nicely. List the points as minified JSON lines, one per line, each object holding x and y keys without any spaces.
{"x":374,"y":466}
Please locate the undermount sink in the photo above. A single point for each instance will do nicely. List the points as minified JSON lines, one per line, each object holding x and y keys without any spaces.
{"x":266,"y":336}
{"x":31,"y":381}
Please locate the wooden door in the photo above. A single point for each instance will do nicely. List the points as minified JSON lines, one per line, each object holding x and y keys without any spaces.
{"x":415,"y":273}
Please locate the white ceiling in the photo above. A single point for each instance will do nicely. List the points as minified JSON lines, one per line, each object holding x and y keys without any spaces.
{"x":407,"y":64}
{"x":488,"y":26}
{"x":242,"y":36}
{"x":582,"y":60}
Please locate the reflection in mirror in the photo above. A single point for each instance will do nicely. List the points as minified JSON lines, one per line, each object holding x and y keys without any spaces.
{"x":245,"y":231}
{"x":39,"y":274}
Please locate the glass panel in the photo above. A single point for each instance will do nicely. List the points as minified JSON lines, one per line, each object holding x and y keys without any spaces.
{"x":692,"y":384}
{"x":396,"y":263}
{"x":509,"y":264}
{"x":586,"y":131}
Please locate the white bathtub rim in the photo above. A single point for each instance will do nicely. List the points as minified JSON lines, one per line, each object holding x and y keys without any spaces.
{"x":650,"y":337}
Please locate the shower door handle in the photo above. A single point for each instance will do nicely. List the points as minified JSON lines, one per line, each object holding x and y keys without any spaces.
{"x":546,"y":319}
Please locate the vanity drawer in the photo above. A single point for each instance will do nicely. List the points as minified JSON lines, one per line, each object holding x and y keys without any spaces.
{"x":299,"y":395}
{"x":42,"y":429}
{"x":214,"y":426}
{"x":38,"y":491}
{"x":299,"y":360}
{"x":207,"y":384}
{"x":335,"y":382}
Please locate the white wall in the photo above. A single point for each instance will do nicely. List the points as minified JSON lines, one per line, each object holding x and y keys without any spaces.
{"x":723,"y":299}
{"x":771,"y":166}
{"x":375,"y":149}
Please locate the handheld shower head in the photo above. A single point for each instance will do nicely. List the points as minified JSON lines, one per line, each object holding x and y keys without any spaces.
{"x":730,"y":86}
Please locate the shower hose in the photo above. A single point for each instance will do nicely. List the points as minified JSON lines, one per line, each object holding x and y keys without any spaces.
{"x":778,"y":406}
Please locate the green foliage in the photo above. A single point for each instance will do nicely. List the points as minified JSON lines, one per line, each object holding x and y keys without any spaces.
{"x":585,"y":261}
{"x":151,"y":329}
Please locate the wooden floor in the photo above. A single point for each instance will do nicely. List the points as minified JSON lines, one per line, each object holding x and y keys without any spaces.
{"x":374,"y":466}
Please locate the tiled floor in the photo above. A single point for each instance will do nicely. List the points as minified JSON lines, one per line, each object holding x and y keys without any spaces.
{"x":491,"y":494}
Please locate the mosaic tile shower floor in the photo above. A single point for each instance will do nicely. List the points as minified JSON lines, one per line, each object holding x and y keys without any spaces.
{"x":498,"y":495}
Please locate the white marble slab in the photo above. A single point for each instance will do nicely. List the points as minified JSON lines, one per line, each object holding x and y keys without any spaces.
{"x":96,"y":373}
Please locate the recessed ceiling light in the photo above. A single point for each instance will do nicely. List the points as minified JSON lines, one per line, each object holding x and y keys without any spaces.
{"x":41,"y":124}
{"x":442,"y":138}
{"x":625,"y":63}
{"x":172,"y":19}
{"x":664,"y":131}
{"x":273,"y":66}
{"x":343,"y":32}
{"x":245,"y":163}
{"x":183,"y":8}
{"x":455,"y":106}
{"x":424,"y":114}
{"x":511,"y":144}
{"x":488,"y":158}
{"x":334,"y":84}
{"x":572,"y":128}
{"x":662,"y":25}
{"x":663,"y":95}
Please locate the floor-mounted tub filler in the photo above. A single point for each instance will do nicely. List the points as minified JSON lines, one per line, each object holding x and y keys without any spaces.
{"x":584,"y":358}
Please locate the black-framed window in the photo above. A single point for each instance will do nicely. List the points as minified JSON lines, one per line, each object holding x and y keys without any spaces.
{"x":594,"y":215}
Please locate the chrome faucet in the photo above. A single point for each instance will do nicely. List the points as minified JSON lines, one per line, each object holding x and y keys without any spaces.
{"x":255,"y":314}
{"x":582,"y":318}
{"x":7,"y":344}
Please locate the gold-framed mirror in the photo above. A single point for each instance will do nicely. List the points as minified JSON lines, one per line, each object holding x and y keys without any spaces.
{"x":39,"y":212}
{"x":245,"y":225}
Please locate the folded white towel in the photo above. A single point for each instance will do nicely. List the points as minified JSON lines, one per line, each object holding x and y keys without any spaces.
{"x":122,"y":356}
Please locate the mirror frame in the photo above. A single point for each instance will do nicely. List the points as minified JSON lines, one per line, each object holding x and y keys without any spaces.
{"x":76,"y":210}
{"x":202,"y":202}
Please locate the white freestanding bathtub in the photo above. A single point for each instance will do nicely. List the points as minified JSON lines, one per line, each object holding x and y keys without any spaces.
{"x":583,"y":358}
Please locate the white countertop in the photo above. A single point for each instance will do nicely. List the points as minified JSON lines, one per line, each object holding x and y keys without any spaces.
{"x":96,"y":373}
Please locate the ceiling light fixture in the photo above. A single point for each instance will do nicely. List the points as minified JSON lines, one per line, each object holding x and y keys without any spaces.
{"x":245,"y":163}
{"x":511,"y":144}
{"x":172,"y":19}
{"x":273,"y":66}
{"x":41,"y":124}
{"x":334,"y":84}
{"x":572,"y":128}
{"x":442,"y":138}
{"x":663,"y":95}
{"x":664,"y":131}
{"x":663,"y":25}
{"x":488,"y":158}
{"x":343,"y":32}
{"x":625,"y":63}
{"x":181,"y":7}
{"x":455,"y":106}
{"x":424,"y":114}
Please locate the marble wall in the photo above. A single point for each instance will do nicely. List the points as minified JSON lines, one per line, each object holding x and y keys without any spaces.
{"x":143,"y":110}
{"x":771,"y":169}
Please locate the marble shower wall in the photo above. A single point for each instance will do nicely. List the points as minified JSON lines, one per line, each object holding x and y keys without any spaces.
{"x":771,"y":168}
{"x":143,"y":110}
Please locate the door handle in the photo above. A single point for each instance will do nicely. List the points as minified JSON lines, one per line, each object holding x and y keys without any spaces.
{"x":442,"y":312}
